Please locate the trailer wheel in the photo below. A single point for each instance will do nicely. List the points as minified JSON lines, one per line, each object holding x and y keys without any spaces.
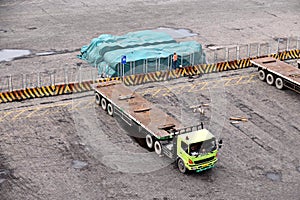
{"x":279,"y":83}
{"x":110,"y":109}
{"x":103,"y":103}
{"x":149,"y":141}
{"x":261,"y":75}
{"x":157,"y":147}
{"x":270,"y":79}
{"x":97,"y":98}
{"x":181,"y":166}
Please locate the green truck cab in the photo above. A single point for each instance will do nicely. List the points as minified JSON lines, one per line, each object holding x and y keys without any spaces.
{"x":197,"y":151}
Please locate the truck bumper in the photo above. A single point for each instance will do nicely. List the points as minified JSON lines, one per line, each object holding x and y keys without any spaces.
{"x":203,"y":166}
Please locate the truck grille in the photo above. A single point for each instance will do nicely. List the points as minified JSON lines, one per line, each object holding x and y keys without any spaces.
{"x":204,"y":160}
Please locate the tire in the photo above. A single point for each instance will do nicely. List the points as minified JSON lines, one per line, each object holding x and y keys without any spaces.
{"x":262,"y":75}
{"x":279,"y":83}
{"x":110,"y":109}
{"x":97,"y":98}
{"x":157,"y":147}
{"x":149,"y":141}
{"x":181,"y":166}
{"x":270,"y":79}
{"x":103,"y":103}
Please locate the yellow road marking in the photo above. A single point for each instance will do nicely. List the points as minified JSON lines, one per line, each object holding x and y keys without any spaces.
{"x":6,"y":114}
{"x":20,"y":113}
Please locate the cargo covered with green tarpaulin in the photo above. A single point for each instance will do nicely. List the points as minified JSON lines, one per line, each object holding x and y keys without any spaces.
{"x":145,"y":51}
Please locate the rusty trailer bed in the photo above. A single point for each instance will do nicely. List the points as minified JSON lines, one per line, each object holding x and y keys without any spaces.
{"x":136,"y":107}
{"x":279,"y":68}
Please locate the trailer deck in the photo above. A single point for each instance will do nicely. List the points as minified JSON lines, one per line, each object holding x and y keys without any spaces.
{"x":138,"y":108}
{"x":279,"y":68}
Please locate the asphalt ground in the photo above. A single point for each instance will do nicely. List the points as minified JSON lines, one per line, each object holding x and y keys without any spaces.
{"x":66,"y":147}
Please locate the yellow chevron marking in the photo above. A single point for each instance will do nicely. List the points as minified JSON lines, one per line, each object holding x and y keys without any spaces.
{"x":40,"y":92}
{"x":35,"y":92}
{"x":22,"y":94}
{"x":30,"y":93}
{"x":3,"y":98}
{"x":50,"y":90}
{"x":8,"y":97}
{"x":67,"y":89}
{"x":45,"y":91}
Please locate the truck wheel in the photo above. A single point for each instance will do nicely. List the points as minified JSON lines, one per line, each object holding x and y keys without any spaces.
{"x":181,"y":166}
{"x":261,"y":75}
{"x":157,"y":147}
{"x":110,"y":109}
{"x":103,"y":103}
{"x":279,"y":83}
{"x":270,"y":79}
{"x":149,"y":141}
{"x":97,"y":98}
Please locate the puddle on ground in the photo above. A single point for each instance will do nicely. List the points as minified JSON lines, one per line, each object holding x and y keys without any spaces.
{"x":10,"y":54}
{"x":77,"y":164}
{"x":274,"y":176}
{"x":176,"y":33}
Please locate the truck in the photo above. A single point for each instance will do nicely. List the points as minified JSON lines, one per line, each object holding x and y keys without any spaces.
{"x":278,"y":73}
{"x":192,"y":148}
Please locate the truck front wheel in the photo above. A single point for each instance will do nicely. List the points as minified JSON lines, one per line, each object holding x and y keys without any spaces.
{"x":182,"y":168}
{"x":149,"y":141}
{"x":157,"y":147}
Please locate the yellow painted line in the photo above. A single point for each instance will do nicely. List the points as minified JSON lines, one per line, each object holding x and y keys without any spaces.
{"x":32,"y":112}
{"x":240,"y":79}
{"x":252,"y":76}
{"x":75,"y":106}
{"x":156,"y":92}
{"x":6,"y":114}
{"x":20,"y":113}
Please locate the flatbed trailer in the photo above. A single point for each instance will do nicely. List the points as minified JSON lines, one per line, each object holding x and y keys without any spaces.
{"x":278,"y":73}
{"x":160,"y":131}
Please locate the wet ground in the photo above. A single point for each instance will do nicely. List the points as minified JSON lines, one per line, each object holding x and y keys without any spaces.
{"x":66,"y":147}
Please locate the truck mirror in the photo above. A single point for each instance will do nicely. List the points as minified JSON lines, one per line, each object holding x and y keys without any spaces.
{"x":220,"y":143}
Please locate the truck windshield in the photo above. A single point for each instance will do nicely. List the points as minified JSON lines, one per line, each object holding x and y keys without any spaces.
{"x":203,"y":147}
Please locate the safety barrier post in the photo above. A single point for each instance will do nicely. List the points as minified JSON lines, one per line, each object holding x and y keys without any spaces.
{"x":297,"y":43}
{"x":158,"y":64}
{"x":238,"y":52}
{"x":24,"y":81}
{"x":248,"y":51}
{"x":226,"y":54}
{"x":80,"y":75}
{"x":258,"y":49}
{"x":66,"y":76}
{"x":39,"y":79}
{"x":287,"y":43}
{"x":10,"y":86}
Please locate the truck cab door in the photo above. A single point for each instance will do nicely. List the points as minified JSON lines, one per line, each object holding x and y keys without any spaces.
{"x":182,"y":150}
